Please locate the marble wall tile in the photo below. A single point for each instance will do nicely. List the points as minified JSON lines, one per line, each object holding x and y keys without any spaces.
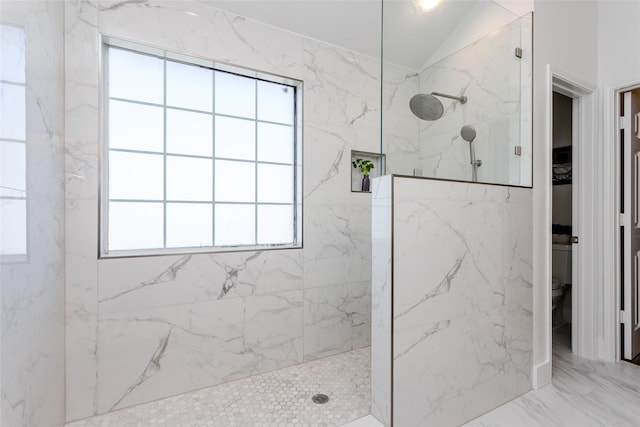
{"x":471,"y":300}
{"x":154,"y":353}
{"x":328,"y":168}
{"x":381,"y":277}
{"x":337,"y":245}
{"x":341,"y":113}
{"x":336,"y":319}
{"x":494,"y":108}
{"x":144,"y":302}
{"x":400,"y":128}
{"x":82,"y":109}
{"x":342,"y":88}
{"x":128,"y":284}
{"x":194,"y":28}
{"x":32,"y":283}
{"x":81,"y":210}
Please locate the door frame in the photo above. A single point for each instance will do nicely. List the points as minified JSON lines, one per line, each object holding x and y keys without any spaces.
{"x":611,"y":348}
{"x":584,"y":323}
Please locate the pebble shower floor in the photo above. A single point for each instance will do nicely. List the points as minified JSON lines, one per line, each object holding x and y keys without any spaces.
{"x":278,"y":398}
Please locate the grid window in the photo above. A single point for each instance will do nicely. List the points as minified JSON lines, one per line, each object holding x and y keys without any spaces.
{"x":197,"y":156}
{"x":13,"y":157}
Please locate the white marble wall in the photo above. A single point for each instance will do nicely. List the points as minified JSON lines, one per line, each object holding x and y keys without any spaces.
{"x":139,"y":329}
{"x":32,"y":284}
{"x":498,"y":87}
{"x":462,"y":299}
{"x":381,"y":282}
{"x":400,"y":128}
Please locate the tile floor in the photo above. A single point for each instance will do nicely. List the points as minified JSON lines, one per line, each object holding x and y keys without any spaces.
{"x":279,"y":398}
{"x":583,"y":393}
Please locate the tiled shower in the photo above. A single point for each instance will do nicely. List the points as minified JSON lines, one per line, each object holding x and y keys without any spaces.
{"x":84,"y":335}
{"x":140,"y":329}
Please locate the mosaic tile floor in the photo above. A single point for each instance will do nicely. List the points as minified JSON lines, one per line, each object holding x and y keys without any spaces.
{"x":278,"y":398}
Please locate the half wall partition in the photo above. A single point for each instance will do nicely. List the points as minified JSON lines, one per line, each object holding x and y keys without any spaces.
{"x":452,"y":300}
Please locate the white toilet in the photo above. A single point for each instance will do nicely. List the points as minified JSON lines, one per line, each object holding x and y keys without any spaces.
{"x":561,"y":264}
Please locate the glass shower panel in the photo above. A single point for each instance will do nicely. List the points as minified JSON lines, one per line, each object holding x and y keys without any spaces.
{"x":476,"y":78}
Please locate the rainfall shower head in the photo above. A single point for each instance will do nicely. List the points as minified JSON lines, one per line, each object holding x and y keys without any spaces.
{"x":468,"y":133}
{"x":428,"y":107}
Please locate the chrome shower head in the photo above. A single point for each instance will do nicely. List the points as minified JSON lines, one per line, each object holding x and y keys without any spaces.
{"x":426,"y":107}
{"x":468,"y":133}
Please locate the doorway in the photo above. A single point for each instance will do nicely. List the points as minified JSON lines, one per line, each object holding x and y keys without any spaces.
{"x":581,"y":336}
{"x":562,"y":237}
{"x":629,"y":210}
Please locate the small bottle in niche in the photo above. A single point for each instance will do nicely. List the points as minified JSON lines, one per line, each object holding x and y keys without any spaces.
{"x":365,"y":183}
{"x":365,"y":167}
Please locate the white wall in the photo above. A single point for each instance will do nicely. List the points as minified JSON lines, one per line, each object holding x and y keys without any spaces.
{"x":618,"y":47}
{"x":618,"y":67}
{"x":140,"y":329}
{"x":565,"y":38}
{"x":32,"y":285}
{"x":483,"y":18}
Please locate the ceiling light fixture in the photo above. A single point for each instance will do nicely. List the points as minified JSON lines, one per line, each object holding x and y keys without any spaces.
{"x":427,"y":5}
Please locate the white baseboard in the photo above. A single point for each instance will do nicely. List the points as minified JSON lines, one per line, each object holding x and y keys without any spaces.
{"x":541,"y":375}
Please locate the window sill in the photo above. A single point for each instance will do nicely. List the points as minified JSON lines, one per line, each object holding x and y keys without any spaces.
{"x":138,"y":253}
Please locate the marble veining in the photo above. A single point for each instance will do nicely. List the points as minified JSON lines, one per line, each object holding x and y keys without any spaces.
{"x":281,"y":397}
{"x":168,"y":275}
{"x":582,"y":393}
{"x":443,"y":286}
{"x":32,"y":281}
{"x":501,"y":113}
{"x":494,"y":108}
{"x":461,"y":297}
{"x":400,"y":128}
{"x":144,"y":328}
{"x":152,"y":367}
{"x":337,"y":319}
{"x":180,"y":348}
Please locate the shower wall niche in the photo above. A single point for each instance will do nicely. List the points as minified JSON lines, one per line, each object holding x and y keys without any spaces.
{"x":493,"y":73}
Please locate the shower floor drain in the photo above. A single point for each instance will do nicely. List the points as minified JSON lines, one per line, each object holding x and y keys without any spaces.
{"x":320,"y":399}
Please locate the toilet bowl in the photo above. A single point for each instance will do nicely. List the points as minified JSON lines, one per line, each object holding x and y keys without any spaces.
{"x":557,"y":289}
{"x":561,"y":268}
{"x":561,"y":262}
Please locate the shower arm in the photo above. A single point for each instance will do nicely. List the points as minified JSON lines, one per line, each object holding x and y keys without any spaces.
{"x":462,"y":99}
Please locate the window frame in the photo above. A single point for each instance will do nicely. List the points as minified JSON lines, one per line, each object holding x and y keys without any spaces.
{"x":20,"y":257}
{"x":107,"y":42}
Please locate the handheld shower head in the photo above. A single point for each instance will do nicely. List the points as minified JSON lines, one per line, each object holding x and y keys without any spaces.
{"x":468,"y":133}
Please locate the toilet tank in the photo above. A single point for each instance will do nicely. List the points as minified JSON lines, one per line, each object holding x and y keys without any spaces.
{"x":561,"y":262}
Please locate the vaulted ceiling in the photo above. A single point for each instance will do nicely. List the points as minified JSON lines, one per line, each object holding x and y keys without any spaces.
{"x":412,"y":38}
